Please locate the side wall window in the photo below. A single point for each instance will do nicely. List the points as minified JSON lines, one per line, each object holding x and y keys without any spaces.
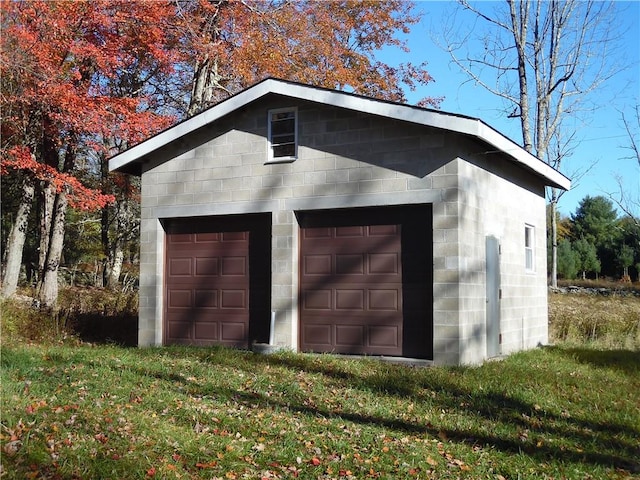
{"x":529,"y":250}
{"x":283,"y":135}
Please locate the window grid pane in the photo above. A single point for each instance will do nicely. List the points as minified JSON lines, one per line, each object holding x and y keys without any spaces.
{"x":528,"y":248}
{"x":282,"y":130}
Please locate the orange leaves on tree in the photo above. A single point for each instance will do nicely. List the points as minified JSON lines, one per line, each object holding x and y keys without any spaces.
{"x":328,"y":44}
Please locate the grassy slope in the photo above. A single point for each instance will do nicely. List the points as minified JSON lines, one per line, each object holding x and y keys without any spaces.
{"x":111,"y":412}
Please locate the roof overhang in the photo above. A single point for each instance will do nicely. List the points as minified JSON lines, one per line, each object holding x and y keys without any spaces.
{"x":129,"y":161}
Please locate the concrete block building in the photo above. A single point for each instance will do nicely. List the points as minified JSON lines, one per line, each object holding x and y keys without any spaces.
{"x":330,"y":222}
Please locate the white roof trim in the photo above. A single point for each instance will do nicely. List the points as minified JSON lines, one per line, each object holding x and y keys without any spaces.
{"x":431,"y":118}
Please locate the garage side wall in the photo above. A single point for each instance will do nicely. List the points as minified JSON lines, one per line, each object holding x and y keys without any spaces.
{"x":491,"y":206}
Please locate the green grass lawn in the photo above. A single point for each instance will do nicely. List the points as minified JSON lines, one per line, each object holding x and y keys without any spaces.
{"x":97,"y":412}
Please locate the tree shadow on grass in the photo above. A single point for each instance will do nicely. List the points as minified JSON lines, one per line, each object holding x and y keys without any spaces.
{"x":625,"y":459}
{"x":549,"y":435}
{"x":106,"y":329}
{"x":625,"y":361}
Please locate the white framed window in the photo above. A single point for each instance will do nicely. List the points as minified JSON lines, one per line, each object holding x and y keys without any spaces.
{"x":283,"y":135}
{"x":529,"y":248}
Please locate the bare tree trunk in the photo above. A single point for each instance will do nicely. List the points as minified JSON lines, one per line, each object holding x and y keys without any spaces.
{"x":206,"y":82}
{"x":15,"y":242}
{"x":520,"y":24}
{"x":547,"y":57}
{"x":116,"y":266}
{"x":48,"y":284}
{"x":104,"y":237}
{"x":47,"y":199}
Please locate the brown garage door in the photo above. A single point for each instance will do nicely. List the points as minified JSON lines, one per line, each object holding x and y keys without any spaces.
{"x":365,"y":282}
{"x":210,"y":297}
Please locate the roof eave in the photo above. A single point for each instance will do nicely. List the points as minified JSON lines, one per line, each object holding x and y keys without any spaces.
{"x":553,"y":178}
{"x":129,"y":160}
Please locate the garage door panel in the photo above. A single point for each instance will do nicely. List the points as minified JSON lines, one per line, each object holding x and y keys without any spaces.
{"x":384,"y":263}
{"x":317,"y":265}
{"x":234,"y":266}
{"x":352,"y":336}
{"x":206,"y":331}
{"x":206,"y":266}
{"x":235,"y":237}
{"x":317,"y":300}
{"x":179,"y":330}
{"x":311,"y":233}
{"x":177,"y":239}
{"x":349,"y":299}
{"x":318,"y":335}
{"x":180,"y":267}
{"x":384,"y":336}
{"x":383,"y":230}
{"x":350,"y":231}
{"x":234,"y":299}
{"x":206,"y":298}
{"x":206,"y":237}
{"x":350,"y":264}
{"x":234,"y":333}
{"x":383,"y":299}
{"x":179,"y":298}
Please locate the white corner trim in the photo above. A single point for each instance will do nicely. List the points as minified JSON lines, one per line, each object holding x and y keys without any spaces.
{"x":159,"y":285}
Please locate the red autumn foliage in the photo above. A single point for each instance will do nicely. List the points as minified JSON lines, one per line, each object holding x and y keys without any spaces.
{"x":80,"y":197}
{"x":61,"y":64}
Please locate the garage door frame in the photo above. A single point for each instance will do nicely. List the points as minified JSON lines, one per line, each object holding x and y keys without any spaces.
{"x":417,"y":268}
{"x":258,"y":227}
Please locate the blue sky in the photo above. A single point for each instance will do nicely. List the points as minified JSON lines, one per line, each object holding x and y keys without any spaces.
{"x":602,"y":140}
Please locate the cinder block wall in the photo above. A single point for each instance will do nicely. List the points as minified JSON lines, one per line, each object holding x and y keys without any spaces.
{"x":345,"y":159}
{"x":491,"y":206}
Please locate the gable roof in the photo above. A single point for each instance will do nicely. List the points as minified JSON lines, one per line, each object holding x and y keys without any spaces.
{"x":130,"y":160}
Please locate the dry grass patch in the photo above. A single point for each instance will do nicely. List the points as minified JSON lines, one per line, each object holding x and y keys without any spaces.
{"x":608,"y":321}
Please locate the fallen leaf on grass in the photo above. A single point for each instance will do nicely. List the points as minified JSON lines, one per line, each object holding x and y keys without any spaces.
{"x":35,"y":406}
{"x":12,"y":448}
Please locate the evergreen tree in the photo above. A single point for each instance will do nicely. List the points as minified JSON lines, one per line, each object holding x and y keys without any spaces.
{"x":625,"y":259}
{"x":567,"y":260}
{"x":595,"y":221}
{"x":587,"y":257}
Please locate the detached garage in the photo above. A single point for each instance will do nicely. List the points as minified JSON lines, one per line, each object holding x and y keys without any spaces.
{"x":352,"y":225}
